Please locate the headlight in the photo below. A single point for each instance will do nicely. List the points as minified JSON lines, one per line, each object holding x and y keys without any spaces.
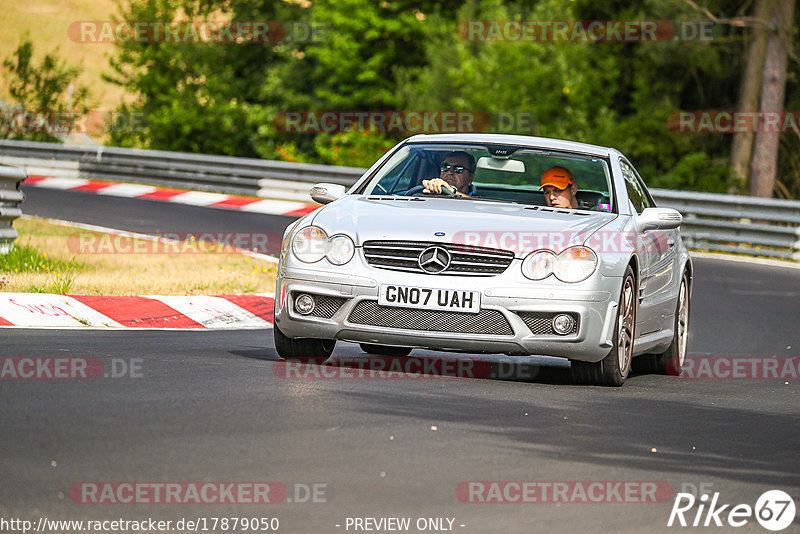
{"x":575,"y":264}
{"x":310,"y":244}
{"x":340,"y":249}
{"x":538,"y":265}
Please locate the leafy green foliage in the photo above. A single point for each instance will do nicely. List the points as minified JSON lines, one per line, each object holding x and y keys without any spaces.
{"x":198,"y":96}
{"x":409,"y":55}
{"x":40,"y":89}
{"x":355,"y":149}
{"x":695,"y":171}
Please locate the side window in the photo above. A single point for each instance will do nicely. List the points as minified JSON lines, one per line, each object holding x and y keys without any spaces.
{"x":636,"y":192}
{"x":401,"y":177}
{"x":408,"y":179}
{"x":650,"y":203}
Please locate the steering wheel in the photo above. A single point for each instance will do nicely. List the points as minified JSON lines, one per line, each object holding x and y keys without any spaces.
{"x":447,"y":191}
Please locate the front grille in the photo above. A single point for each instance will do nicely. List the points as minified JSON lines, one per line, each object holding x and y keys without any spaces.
{"x":369,"y":312}
{"x":325,"y":306}
{"x":541,"y":323}
{"x":466,"y":260}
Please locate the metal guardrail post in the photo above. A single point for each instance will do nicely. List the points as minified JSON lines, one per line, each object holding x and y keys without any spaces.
{"x":10,"y":199}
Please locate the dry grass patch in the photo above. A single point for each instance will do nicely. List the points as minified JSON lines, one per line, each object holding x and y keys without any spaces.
{"x":46,"y":23}
{"x":48,"y":259}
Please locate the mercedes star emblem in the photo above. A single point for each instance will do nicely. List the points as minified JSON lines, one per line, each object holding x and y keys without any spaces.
{"x":434,"y":260}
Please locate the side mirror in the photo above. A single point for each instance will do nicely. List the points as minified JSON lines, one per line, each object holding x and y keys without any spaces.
{"x":325,"y":193}
{"x":659,"y":219}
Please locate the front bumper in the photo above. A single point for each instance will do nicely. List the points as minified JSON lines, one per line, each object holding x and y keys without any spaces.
{"x":348,"y":298}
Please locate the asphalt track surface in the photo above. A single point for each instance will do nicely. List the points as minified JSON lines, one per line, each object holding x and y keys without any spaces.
{"x":213,"y":406}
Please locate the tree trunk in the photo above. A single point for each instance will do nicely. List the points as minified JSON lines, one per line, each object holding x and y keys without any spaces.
{"x":773,"y":89}
{"x":742,"y":148}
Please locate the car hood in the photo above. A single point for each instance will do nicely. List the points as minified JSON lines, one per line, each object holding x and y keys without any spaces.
{"x":515,"y":227}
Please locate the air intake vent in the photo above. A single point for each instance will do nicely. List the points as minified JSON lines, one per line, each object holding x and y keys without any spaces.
{"x":369,"y":312}
{"x":541,"y":323}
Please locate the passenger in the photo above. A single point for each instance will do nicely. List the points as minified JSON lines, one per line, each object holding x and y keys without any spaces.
{"x":456,"y":170}
{"x":559,"y":188}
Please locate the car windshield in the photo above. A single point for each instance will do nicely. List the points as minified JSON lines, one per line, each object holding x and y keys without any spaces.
{"x":502,"y":173}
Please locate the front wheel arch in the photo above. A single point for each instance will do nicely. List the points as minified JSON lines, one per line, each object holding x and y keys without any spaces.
{"x":614,"y":369}
{"x":671,"y":360}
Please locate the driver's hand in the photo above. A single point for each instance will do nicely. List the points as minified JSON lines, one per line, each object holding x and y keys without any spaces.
{"x":435,"y":186}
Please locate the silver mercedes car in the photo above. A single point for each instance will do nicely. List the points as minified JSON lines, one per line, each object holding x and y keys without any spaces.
{"x":490,"y":244}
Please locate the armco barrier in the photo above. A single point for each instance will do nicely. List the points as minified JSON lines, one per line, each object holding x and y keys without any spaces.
{"x":731,"y":223}
{"x":224,"y":174}
{"x":728,"y":223}
{"x":10,"y":199}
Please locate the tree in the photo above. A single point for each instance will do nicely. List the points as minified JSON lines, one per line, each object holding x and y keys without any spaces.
{"x":207,"y":96}
{"x":614,"y":93}
{"x":227,"y":98}
{"x":779,"y":42}
{"x":42,"y":91}
{"x":750,"y":92}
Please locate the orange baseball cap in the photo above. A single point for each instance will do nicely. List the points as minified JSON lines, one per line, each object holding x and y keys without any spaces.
{"x":559,"y":177}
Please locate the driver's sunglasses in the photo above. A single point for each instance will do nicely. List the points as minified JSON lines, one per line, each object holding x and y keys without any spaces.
{"x":457,"y":169}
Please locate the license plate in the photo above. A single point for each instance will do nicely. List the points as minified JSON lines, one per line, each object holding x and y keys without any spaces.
{"x":430,"y":298}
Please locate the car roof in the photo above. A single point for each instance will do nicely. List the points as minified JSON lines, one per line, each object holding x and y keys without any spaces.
{"x":519,"y":140}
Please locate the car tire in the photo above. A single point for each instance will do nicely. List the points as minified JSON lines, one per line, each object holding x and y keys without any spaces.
{"x":302,"y":349}
{"x":614,"y":368}
{"x":385,"y":350}
{"x":670,"y":362}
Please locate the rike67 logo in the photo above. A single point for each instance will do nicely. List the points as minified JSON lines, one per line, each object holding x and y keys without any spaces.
{"x":774,"y":510}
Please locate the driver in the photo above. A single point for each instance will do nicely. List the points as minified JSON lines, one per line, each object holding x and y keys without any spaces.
{"x":456,"y":170}
{"x":559,"y":188}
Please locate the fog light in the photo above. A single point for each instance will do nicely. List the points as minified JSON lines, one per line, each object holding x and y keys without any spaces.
{"x":304,"y":304}
{"x":563,"y":324}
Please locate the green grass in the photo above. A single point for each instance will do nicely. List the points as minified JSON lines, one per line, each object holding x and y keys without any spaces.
{"x":26,"y":259}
